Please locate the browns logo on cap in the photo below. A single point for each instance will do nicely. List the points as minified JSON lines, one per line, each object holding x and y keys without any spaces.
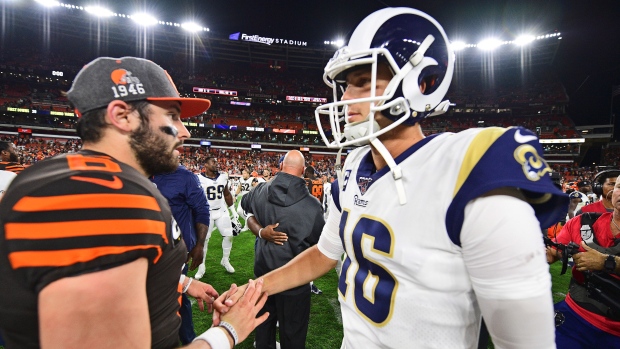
{"x":127,"y":79}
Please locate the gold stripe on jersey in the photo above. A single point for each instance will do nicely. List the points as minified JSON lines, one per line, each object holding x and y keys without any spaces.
{"x":86,"y":201}
{"x":63,"y":258}
{"x":477,"y":148}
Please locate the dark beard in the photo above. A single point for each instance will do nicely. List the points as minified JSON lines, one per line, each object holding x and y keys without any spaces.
{"x":151,"y":151}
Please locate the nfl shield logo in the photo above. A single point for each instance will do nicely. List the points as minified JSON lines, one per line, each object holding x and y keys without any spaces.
{"x":363,"y":183}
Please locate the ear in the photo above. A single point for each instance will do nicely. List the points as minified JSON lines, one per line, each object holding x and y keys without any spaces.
{"x":119,"y":116}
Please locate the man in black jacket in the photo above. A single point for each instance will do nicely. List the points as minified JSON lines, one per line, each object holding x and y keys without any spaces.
{"x":285,"y":201}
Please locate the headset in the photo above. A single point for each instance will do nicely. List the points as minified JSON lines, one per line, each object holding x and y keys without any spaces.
{"x":599,"y":179}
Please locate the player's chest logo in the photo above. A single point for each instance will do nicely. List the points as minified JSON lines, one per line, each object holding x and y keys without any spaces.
{"x":363,"y":183}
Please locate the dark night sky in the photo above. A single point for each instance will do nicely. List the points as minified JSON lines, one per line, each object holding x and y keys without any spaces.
{"x":587,"y":61}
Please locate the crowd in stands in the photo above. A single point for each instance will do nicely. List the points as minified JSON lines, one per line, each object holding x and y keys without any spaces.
{"x":35,"y":80}
{"x":34,"y":149}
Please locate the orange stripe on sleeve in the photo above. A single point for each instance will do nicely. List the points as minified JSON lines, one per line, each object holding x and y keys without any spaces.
{"x":63,"y":258}
{"x":86,"y":201}
{"x":58,"y":230}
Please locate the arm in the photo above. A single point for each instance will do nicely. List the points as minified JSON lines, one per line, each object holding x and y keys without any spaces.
{"x":593,"y":260}
{"x":196,"y":254}
{"x":268,"y":233}
{"x":307,"y":266}
{"x":197,"y":201}
{"x":228,"y":197}
{"x":80,"y":311}
{"x":503,"y":251}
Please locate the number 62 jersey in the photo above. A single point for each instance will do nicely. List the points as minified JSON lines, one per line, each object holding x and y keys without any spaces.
{"x":404,"y":282}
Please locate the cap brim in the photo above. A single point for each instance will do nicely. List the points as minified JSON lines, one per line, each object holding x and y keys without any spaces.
{"x":189,"y":106}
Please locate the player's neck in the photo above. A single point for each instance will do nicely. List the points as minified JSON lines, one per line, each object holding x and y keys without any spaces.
{"x":120,"y":151}
{"x":396,"y":142}
{"x":607,"y":203}
{"x":210,"y":174}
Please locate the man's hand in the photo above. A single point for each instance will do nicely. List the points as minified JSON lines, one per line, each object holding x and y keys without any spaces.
{"x":249,"y":301}
{"x":196,"y":255}
{"x":553,"y":255}
{"x":270,"y":234}
{"x":224,"y":302}
{"x":590,"y":259}
{"x":203,"y":293}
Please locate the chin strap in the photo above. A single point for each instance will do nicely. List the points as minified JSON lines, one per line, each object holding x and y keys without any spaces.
{"x":338,"y":168}
{"x":397,"y":172}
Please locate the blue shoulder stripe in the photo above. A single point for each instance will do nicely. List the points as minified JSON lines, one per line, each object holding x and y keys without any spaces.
{"x":500,"y":158}
{"x":336,"y":194}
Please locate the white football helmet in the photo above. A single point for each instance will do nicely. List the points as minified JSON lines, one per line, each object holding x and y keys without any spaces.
{"x":416,"y":49}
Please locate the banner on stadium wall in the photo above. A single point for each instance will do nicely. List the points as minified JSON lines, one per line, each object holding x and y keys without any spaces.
{"x":304,"y":99}
{"x":214,"y":91}
{"x":38,"y":112}
{"x":283,"y":130}
{"x":261,"y":95}
{"x":239,"y":36}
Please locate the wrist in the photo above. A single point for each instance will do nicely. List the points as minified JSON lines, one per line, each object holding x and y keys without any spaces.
{"x":217,"y":337}
{"x":259,"y":231}
{"x":186,"y":286}
{"x":231,"y":332}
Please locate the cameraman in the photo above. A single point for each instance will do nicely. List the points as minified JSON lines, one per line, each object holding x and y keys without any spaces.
{"x":582,"y":322}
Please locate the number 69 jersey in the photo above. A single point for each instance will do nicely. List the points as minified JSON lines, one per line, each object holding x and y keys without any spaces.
{"x":214,"y":191}
{"x":404,"y":283}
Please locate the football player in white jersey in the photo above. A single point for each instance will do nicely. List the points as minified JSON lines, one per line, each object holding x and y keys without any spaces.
{"x":421,"y":274}
{"x":245,"y":184}
{"x":215,"y":185}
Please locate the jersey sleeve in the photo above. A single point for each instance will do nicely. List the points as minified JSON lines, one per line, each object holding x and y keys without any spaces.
{"x":197,"y":199}
{"x":81,"y":224}
{"x":497,"y":158}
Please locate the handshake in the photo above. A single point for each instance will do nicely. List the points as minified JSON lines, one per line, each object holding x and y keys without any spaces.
{"x":234,"y":316}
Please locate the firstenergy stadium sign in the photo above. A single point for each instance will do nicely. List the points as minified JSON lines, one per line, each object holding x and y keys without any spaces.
{"x":265,"y":40}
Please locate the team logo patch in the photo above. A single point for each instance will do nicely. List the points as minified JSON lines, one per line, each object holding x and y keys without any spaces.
{"x":123,"y":77}
{"x":363,"y":183}
{"x":586,"y":234}
{"x":533,"y":165}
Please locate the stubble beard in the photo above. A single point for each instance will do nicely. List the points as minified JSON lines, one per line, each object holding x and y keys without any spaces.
{"x":152,"y":152}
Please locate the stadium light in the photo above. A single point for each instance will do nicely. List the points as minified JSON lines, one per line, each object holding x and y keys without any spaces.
{"x":458,"y":45}
{"x":144,"y":19}
{"x":489,"y":44}
{"x":524,"y":39}
{"x":48,"y":3}
{"x":191,"y":27}
{"x":99,"y":11}
{"x":339,"y":42}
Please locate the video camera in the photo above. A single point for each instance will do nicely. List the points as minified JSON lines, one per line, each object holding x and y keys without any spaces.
{"x":600,"y":285}
{"x":567,"y":251}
